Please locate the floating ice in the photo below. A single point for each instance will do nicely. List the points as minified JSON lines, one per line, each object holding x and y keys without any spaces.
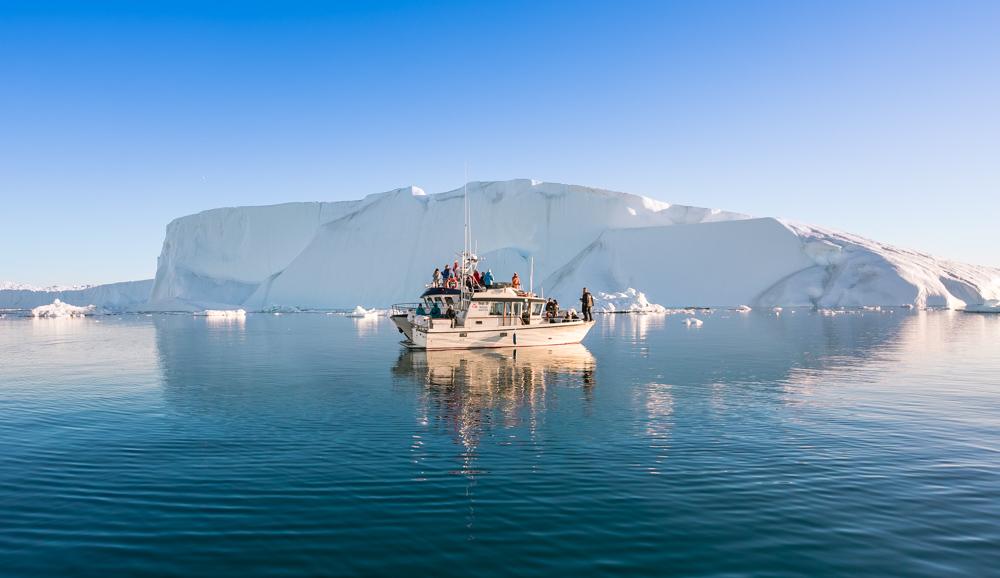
{"x":693,"y":322}
{"x":627,"y":301}
{"x":59,"y":309}
{"x":222,"y":313}
{"x":360,"y":311}
{"x":988,"y":306}
{"x":743,"y":309}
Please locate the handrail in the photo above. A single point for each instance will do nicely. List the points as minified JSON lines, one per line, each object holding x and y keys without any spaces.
{"x":404,"y":308}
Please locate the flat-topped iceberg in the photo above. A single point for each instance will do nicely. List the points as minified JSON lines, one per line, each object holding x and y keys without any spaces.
{"x":382,"y":249}
{"x":113,"y":297}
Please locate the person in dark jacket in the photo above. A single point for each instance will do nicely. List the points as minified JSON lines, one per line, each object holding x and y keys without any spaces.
{"x":587,"y":303}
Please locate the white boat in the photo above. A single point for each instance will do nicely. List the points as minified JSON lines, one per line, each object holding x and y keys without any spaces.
{"x":467,"y":315}
{"x":495,"y":316}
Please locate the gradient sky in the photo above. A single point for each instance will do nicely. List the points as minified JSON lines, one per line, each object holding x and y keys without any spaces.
{"x":879,"y":118}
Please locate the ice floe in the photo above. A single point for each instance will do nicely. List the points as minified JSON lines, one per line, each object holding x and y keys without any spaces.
{"x":627,"y":301}
{"x":988,"y":306}
{"x":222,"y":313}
{"x":59,"y":309}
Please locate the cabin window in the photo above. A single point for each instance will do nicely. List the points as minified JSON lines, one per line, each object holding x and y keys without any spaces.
{"x":496,"y":308}
{"x":517,"y":309}
{"x":448,"y":300}
{"x":538,"y":309}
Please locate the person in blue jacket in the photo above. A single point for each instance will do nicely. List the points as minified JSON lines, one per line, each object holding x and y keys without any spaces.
{"x":488,"y":278}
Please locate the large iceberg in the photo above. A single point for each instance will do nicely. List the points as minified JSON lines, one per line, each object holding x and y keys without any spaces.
{"x":381,"y":249}
{"x":113,"y":297}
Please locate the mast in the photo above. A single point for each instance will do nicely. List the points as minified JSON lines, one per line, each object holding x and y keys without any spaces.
{"x":465,"y":237}
{"x":531,"y":276}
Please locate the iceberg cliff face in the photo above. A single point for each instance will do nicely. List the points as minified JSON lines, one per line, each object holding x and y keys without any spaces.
{"x":383,"y":248}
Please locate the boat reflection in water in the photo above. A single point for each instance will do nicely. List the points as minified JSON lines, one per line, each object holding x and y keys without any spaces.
{"x":471,"y":393}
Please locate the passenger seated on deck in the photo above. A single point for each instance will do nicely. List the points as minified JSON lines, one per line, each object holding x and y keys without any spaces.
{"x":488,"y":278}
{"x":421,"y":310}
{"x":450,"y":314}
{"x":515,"y":281}
{"x":567,"y":318}
{"x":435,"y":310}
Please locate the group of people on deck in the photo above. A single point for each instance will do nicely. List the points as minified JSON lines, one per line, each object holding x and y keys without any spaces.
{"x":451,"y":278}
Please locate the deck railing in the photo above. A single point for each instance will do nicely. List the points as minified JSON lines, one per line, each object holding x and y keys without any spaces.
{"x":404,"y":308}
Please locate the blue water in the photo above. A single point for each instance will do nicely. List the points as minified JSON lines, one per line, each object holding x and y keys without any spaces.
{"x":865,"y":444}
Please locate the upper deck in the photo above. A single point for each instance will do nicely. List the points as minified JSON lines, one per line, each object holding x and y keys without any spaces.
{"x":496,"y":292}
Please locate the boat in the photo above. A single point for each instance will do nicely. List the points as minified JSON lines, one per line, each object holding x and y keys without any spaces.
{"x":494,"y":316}
{"x":468,"y":315}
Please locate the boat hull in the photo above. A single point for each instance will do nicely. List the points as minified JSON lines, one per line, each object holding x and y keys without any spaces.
{"x":495,"y":337}
{"x":403,"y":324}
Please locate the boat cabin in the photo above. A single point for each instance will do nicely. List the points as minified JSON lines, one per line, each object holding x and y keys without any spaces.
{"x":496,"y":306}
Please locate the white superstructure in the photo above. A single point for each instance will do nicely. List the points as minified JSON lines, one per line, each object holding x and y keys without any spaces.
{"x":466,"y":312}
{"x":497,"y":316}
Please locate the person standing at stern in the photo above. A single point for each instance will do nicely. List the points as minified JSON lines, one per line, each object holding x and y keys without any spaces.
{"x":587,"y":304}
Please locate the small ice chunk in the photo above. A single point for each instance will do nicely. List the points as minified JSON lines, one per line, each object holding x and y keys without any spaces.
{"x":743,"y":309}
{"x":693,"y":322}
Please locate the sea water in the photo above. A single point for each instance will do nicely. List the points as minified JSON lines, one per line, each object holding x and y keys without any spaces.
{"x":761,"y":443}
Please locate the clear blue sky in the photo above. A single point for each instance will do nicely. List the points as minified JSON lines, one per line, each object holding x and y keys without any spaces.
{"x":879,"y":118}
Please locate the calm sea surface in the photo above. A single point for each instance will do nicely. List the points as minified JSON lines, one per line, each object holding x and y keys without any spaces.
{"x":792,"y":445}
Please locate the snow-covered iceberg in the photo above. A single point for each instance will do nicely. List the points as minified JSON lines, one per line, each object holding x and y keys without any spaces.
{"x":382,"y":249}
{"x":113,"y":297}
{"x":360,"y":311}
{"x":59,"y":309}
{"x":627,"y":301}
